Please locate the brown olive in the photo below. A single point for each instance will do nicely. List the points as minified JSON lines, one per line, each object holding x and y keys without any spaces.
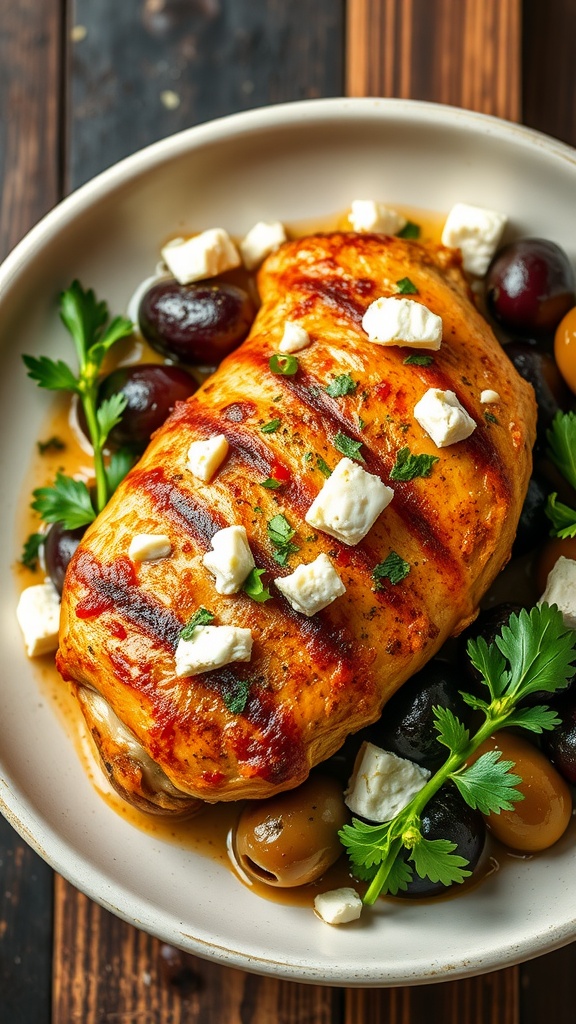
{"x":292,"y":839}
{"x":538,"y":820}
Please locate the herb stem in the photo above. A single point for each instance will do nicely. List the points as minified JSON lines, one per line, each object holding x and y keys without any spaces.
{"x":88,"y":399}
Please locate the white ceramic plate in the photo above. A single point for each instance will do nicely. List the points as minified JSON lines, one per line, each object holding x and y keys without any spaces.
{"x":290,"y":162}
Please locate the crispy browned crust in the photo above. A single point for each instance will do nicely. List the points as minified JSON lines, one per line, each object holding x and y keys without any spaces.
{"x":313,"y":681}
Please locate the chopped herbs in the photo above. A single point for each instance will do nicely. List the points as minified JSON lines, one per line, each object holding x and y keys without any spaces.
{"x":342,"y":385}
{"x":393,"y":568}
{"x":406,"y":287}
{"x":361,"y":423}
{"x":53,"y":444}
{"x":272,"y":426}
{"x":490,"y":417}
{"x":408,"y":466}
{"x":280,"y":533}
{"x":348,"y":446}
{"x":254,"y":587}
{"x":31,"y":550}
{"x":323,"y":466}
{"x":410,"y":230}
{"x":287,"y":366}
{"x":271,"y":484}
{"x":418,"y":359}
{"x":534,"y":653}
{"x":236,"y":698}
{"x":200,"y":618}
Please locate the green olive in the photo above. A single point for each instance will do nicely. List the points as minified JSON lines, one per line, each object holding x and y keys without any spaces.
{"x":292,"y":838}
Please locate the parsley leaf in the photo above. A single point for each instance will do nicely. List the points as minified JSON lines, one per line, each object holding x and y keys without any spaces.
{"x":410,"y":230}
{"x":254,"y":587}
{"x":488,"y":784}
{"x":450,"y":730}
{"x":406,"y":287}
{"x":68,"y":502}
{"x":272,"y":426}
{"x":109,"y":413}
{"x":348,"y":446}
{"x":51,"y":374}
{"x":286,"y":366}
{"x":435,"y":859}
{"x":408,"y":466}
{"x":418,"y":359}
{"x":280,"y":533}
{"x":31,"y":550}
{"x":562,"y":517}
{"x":393,"y":568}
{"x":561,"y":439}
{"x":237,"y":698}
{"x":120,"y":464}
{"x":341,"y":385}
{"x":202,"y":617}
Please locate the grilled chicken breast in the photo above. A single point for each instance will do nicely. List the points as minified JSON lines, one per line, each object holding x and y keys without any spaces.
{"x":251,"y":729}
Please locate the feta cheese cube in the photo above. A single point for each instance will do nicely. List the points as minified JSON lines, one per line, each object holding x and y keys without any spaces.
{"x":382,"y":783}
{"x":206,"y":457}
{"x":476,"y":232}
{"x":294,"y":338}
{"x":212,"y":647}
{"x":401,"y":321}
{"x":206,"y":255}
{"x":147,"y":547}
{"x":261,"y":240}
{"x":338,"y":906}
{"x":561,"y":589}
{"x":442,"y":416}
{"x":38,"y":614}
{"x":488,"y":396}
{"x":367,"y":215}
{"x":349,"y":503}
{"x":312,"y":587}
{"x":230,"y":560}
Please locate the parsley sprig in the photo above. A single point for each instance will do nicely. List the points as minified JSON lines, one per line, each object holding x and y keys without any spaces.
{"x":562,"y":452}
{"x":534,"y":652}
{"x":93,"y":334}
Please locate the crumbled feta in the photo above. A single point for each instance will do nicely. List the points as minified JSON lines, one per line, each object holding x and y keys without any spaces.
{"x":206,"y":255}
{"x":312,"y":587}
{"x":294,"y":338}
{"x":488,"y":396}
{"x":476,"y":232}
{"x":212,"y":647}
{"x":382,"y":783}
{"x":442,"y":416}
{"x":38,"y":614}
{"x":349,"y":503}
{"x":338,"y":906}
{"x":147,"y":547}
{"x":367,"y":215}
{"x":206,"y":457}
{"x":261,"y":240}
{"x":231,"y":559}
{"x":401,"y":321}
{"x":561,"y":589}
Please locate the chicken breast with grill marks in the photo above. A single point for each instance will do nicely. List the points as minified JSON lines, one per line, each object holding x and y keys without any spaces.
{"x":253,"y":728}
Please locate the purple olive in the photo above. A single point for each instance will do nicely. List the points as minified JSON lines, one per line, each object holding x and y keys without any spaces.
{"x":196,"y":323}
{"x":530,"y":286}
{"x":151,"y":392}
{"x":59,"y":546}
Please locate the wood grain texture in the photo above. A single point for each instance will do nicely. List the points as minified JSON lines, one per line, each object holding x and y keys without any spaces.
{"x":549,"y":57}
{"x":463,"y":52}
{"x":490,"y":999}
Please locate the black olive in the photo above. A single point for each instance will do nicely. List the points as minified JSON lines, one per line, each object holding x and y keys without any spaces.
{"x":533,"y":525}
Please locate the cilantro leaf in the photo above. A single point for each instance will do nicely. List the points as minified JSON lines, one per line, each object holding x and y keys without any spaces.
{"x":55,"y":375}
{"x":488,"y":784}
{"x":348,"y":446}
{"x":120,"y":464}
{"x":119,"y":328}
{"x":341,"y":385}
{"x":536,"y":719}
{"x":540,"y":650}
{"x":562,"y":517}
{"x":109,"y":413}
{"x":202,"y":617}
{"x":237,"y":698}
{"x":286,"y":366}
{"x":408,"y":466}
{"x":366,"y":844}
{"x":561,"y":439}
{"x":435,"y":859}
{"x":254,"y":587}
{"x":68,"y":502}
{"x":272,"y":426}
{"x":393,"y":568}
{"x":491,"y":665}
{"x":418,"y":359}
{"x":451,"y":731}
{"x":84,"y":317}
{"x":406,"y":287}
{"x":400,"y":874}
{"x":410,"y":230}
{"x":31,"y":550}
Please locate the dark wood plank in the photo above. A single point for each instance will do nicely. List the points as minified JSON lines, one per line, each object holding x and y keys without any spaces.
{"x":30,"y":46}
{"x":143,"y":70}
{"x":549,"y":93}
{"x":463,"y":52}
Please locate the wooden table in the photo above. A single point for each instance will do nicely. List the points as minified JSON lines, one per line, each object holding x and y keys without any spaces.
{"x":84,"y":84}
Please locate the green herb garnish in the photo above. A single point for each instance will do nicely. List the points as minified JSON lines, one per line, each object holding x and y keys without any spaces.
{"x":236,"y":699}
{"x":287,"y":366}
{"x":561,"y":451}
{"x":31,"y":550}
{"x":93,"y":335}
{"x":323,"y":466}
{"x":393,"y":568}
{"x":408,"y":466}
{"x":341,"y":385}
{"x":202,"y":617}
{"x":272,"y":426}
{"x":410,"y":230}
{"x":53,"y":444}
{"x":534,"y":652}
{"x":418,"y":359}
{"x":348,"y":446}
{"x":280,"y":533}
{"x":271,"y":484}
{"x":490,"y":417}
{"x":405,"y":286}
{"x":254,"y":587}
